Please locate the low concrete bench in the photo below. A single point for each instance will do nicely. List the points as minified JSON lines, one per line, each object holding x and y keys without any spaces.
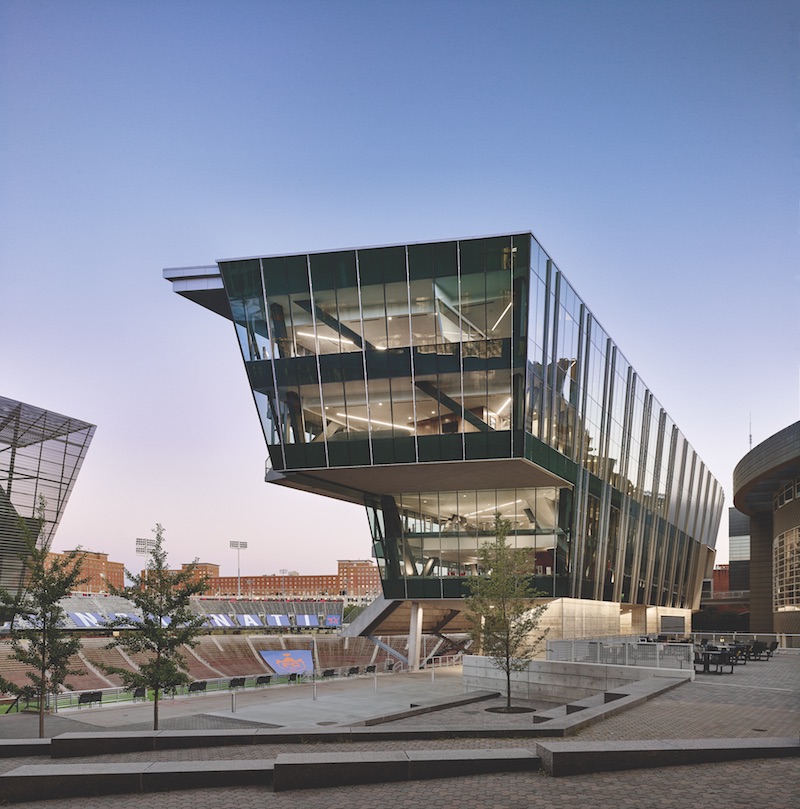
{"x":576,"y":758}
{"x":16,"y":748}
{"x":315,"y":770}
{"x":33,"y":782}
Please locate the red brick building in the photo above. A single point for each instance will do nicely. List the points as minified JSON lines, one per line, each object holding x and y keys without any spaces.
{"x":97,"y":570}
{"x":355,"y":578}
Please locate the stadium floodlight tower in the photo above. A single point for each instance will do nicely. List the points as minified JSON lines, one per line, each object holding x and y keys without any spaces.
{"x":239,"y":546}
{"x":439,"y":384}
{"x":41,"y":453}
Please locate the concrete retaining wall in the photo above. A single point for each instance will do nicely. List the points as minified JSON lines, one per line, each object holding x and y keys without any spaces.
{"x":558,"y":681}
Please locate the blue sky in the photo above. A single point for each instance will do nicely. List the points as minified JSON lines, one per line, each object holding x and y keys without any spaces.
{"x":652,"y":147}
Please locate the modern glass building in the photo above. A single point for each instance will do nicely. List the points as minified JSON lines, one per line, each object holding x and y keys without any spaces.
{"x":439,"y":384}
{"x":41,"y":453}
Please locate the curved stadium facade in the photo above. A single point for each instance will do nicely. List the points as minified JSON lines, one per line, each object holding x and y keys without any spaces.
{"x":438,"y":384}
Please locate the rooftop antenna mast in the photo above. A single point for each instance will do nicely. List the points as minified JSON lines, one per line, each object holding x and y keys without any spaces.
{"x":751,"y":429}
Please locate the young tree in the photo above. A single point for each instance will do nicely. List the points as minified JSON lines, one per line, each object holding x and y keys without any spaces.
{"x":503,"y":621}
{"x":38,"y":637}
{"x":166,"y":624}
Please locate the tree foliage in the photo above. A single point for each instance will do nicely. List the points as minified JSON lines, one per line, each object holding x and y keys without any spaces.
{"x":504,"y":622}
{"x":38,"y":637}
{"x":162,"y":595}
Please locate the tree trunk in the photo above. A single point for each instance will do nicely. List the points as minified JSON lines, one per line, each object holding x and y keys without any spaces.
{"x":508,"y":686}
{"x":155,"y":711}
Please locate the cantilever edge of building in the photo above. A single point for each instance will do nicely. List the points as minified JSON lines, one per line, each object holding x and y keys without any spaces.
{"x":441,"y":383}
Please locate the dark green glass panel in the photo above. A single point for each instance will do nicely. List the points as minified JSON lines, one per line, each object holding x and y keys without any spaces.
{"x":498,"y":253}
{"x":315,"y":455}
{"x":454,"y":587}
{"x":394,"y":588}
{"x":295,"y":456}
{"x":522,"y":258}
{"x":259,"y":373}
{"x":275,"y":456}
{"x":305,"y":369}
{"x":378,"y":365}
{"x":424,"y":364}
{"x":420,"y":262}
{"x":323,"y":272}
{"x":499,"y":444}
{"x":476,"y":446}
{"x":359,"y":453}
{"x":382,"y":265}
{"x":276,"y":282}
{"x":452,"y":448}
{"x":543,"y":584}
{"x":445,"y":259}
{"x":295,"y":270}
{"x":383,"y":451}
{"x":242,"y":278}
{"x":333,"y":270}
{"x":472,"y":256}
{"x":518,"y":442}
{"x":404,"y":451}
{"x":339,"y":367}
{"x":429,"y":448}
{"x":425,"y":586}
{"x":338,"y":453}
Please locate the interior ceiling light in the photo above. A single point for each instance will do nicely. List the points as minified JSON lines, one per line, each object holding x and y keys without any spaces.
{"x":322,"y":337}
{"x":493,"y":508}
{"x":373,"y":421}
{"x":502,"y":316}
{"x":504,"y":406}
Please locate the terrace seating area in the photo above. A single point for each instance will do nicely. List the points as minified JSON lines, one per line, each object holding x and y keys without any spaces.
{"x":711,"y":658}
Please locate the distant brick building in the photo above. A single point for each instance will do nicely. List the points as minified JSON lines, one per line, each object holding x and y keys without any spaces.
{"x":354,"y":578}
{"x":97,"y":569}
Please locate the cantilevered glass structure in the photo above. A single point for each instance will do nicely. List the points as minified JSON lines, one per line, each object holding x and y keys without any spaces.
{"x":439,"y":384}
{"x":41,"y":453}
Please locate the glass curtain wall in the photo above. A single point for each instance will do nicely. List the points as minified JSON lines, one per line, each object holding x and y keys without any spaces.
{"x":41,"y":453}
{"x":474,"y":349}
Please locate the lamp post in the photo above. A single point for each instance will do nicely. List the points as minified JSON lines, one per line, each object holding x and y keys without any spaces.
{"x":239,"y":546}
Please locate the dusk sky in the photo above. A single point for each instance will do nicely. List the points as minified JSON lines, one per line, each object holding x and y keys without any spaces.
{"x":653,"y":148}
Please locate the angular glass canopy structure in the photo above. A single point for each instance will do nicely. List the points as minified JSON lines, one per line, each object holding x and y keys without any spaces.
{"x":41,"y":453}
{"x":439,"y":384}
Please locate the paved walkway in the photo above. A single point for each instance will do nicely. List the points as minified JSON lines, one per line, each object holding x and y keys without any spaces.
{"x":759,"y":699}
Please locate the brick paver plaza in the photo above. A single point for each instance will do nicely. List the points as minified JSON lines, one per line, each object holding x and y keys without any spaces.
{"x":761,"y":699}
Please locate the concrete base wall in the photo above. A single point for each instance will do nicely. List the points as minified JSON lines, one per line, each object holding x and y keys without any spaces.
{"x":574,"y":619}
{"x":558,"y":681}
